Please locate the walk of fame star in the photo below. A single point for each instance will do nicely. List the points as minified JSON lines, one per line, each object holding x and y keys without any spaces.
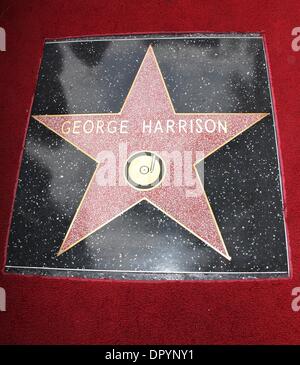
{"x":148,"y":99}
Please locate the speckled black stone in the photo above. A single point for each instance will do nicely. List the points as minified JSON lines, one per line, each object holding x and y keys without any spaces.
{"x":242,"y":179}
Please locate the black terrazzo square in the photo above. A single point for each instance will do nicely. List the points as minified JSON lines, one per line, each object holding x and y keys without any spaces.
{"x":211,"y":73}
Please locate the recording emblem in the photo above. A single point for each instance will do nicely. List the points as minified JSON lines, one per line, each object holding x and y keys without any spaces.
{"x":144,"y":170}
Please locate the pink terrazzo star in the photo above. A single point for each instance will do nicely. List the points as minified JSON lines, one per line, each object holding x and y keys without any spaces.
{"x":148,"y":99}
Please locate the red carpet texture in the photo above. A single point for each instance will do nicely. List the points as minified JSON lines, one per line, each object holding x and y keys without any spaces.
{"x":74,"y":311}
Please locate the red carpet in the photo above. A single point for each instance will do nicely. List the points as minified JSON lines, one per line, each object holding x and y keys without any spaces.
{"x":51,"y":310}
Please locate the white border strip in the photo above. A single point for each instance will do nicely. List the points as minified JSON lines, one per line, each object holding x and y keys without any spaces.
{"x":274,"y":118}
{"x":141,"y":38}
{"x":149,"y":272}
